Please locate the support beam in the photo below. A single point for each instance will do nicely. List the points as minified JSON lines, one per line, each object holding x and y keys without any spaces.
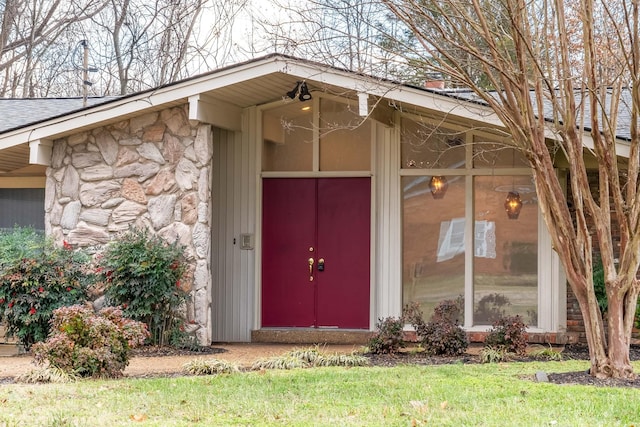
{"x":206,"y":109}
{"x":40,"y":152}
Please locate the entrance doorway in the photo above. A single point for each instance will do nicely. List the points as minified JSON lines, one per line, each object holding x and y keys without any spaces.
{"x":316,"y":252}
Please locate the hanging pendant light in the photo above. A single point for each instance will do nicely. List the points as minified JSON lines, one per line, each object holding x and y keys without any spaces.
{"x":513,"y":204}
{"x":438,"y":186}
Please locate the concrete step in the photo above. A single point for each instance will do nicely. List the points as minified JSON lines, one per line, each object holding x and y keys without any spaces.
{"x":310,"y":336}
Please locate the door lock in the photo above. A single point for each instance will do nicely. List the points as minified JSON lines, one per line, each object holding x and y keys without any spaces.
{"x":321,"y":264}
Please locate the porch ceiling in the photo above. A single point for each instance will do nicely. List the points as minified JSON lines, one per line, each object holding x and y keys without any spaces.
{"x":14,"y":161}
{"x":269,"y":88}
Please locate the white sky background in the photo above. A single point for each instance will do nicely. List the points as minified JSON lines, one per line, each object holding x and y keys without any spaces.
{"x":247,"y":35}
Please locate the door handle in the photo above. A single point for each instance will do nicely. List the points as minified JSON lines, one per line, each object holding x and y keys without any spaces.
{"x":321,"y":264}
{"x":311,"y":262}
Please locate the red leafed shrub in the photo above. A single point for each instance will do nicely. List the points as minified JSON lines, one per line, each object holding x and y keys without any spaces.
{"x":442,"y":335}
{"x":90,"y":344}
{"x":388,"y":337}
{"x":508,"y":333}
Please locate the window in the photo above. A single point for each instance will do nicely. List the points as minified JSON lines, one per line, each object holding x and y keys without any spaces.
{"x":298,"y":138}
{"x":463,"y":243}
{"x":287,"y":134}
{"x":22,"y":207}
{"x":505,"y":282}
{"x":433,"y":242}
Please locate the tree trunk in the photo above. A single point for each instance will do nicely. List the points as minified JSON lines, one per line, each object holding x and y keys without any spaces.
{"x":608,"y":347}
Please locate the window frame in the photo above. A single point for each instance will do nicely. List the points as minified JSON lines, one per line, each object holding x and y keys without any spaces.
{"x":549,"y":274}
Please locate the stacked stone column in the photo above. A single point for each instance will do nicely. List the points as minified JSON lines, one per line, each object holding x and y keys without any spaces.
{"x":151,"y":171}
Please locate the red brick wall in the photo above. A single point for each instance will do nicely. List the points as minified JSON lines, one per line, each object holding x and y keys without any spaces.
{"x":575,"y":322}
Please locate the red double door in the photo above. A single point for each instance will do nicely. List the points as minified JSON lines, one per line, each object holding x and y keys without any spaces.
{"x":316,"y":252}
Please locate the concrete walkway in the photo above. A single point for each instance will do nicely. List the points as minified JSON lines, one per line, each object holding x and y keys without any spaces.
{"x":244,"y":354}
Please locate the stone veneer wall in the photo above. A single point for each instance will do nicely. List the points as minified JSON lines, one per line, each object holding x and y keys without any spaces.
{"x":150,"y":171}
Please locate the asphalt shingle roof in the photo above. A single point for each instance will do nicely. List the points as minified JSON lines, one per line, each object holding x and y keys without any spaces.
{"x":20,"y":112}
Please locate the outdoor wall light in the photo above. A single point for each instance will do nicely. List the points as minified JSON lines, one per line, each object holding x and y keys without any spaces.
{"x":301,"y":91}
{"x":513,"y":204}
{"x":305,"y":95}
{"x":438,"y":186}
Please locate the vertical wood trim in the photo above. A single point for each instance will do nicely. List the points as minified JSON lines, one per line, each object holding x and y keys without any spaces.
{"x":217,"y":272}
{"x":388,"y":278}
{"x":547,"y":300}
{"x":469,"y":214}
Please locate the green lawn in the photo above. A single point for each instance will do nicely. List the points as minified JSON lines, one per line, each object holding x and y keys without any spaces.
{"x":455,"y":395}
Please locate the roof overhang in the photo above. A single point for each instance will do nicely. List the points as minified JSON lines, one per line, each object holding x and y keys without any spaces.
{"x":251,"y":83}
{"x":220,"y":96}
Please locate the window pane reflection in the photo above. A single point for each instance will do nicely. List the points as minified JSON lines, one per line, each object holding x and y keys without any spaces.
{"x":287,"y":133}
{"x":505,"y":262}
{"x":424,"y":146}
{"x":433,"y":242}
{"x":345,"y":139}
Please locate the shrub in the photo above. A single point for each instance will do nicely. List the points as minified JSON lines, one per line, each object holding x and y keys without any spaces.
{"x":46,"y":374}
{"x":388,"y":338}
{"x":280,"y":362}
{"x":442,"y":335}
{"x":546,"y":353}
{"x":32,"y":288}
{"x":209,"y":367}
{"x":89,"y":344}
{"x":347,"y":360}
{"x":142,"y":274}
{"x":450,"y":311}
{"x":19,"y":243}
{"x":491,"y":354}
{"x":309,"y":357}
{"x":444,"y":338}
{"x":509,"y":333}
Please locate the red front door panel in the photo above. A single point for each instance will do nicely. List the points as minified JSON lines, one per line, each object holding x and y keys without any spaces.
{"x":332,"y":216}
{"x":288,"y":230}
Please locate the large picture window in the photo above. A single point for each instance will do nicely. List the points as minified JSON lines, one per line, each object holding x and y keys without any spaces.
{"x":458,"y":238}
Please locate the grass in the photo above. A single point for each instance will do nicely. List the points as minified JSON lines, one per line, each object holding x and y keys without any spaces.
{"x":449,"y":395}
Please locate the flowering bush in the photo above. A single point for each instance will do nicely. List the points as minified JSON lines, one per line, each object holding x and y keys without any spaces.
{"x":142,"y":273}
{"x":32,"y":288}
{"x":89,"y":344}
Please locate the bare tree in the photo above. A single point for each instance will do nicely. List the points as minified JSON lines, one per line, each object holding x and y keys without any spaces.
{"x":342,"y":33}
{"x":28,"y":29}
{"x":578,"y":62}
{"x":134,"y":45}
{"x":148,"y":44}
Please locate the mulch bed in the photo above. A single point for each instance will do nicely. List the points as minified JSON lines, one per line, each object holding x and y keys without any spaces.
{"x":163,"y":351}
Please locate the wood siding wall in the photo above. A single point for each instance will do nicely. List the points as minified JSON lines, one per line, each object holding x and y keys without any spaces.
{"x":233,"y":268}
